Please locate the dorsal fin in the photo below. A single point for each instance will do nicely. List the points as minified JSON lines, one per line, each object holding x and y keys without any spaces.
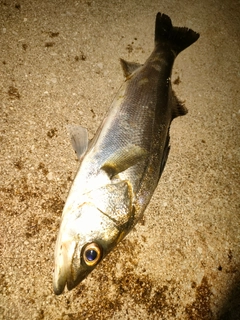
{"x":79,"y":139}
{"x":129,"y":67}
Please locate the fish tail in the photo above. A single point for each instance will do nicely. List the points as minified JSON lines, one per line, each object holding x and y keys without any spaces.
{"x":175,"y":38}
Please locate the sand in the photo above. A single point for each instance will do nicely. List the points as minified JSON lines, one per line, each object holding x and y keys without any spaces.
{"x":59,"y":65}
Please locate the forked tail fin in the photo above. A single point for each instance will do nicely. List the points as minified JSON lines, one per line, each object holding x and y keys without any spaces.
{"x":175,"y":38}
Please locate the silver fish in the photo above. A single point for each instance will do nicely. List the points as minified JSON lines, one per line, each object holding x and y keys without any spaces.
{"x":120,"y":169}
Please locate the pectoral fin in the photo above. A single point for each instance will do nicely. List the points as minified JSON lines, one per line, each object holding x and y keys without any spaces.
{"x":124,"y":159}
{"x":79,"y":139}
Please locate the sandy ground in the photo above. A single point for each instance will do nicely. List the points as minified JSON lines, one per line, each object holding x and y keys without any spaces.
{"x":59,"y":64}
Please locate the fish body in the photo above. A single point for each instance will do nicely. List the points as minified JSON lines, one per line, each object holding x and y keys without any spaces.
{"x":120,"y":168}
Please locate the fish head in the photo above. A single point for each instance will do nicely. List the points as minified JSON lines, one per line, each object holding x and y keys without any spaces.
{"x":86,"y":236}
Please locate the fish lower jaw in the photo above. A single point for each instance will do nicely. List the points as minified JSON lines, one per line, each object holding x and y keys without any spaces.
{"x":59,"y":284}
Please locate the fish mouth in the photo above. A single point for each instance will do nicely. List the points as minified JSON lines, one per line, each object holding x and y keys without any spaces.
{"x":59,"y":285}
{"x":62,"y":271}
{"x":66,"y":278}
{"x":68,"y":270}
{"x":72,"y":283}
{"x":59,"y":277}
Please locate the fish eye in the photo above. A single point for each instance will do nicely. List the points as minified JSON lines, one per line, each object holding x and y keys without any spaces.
{"x":92,"y":254}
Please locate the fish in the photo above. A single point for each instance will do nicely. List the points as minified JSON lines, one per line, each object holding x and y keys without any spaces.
{"x":121,"y":166}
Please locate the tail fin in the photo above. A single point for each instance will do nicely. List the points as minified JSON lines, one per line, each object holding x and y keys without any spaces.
{"x":176,"y":38}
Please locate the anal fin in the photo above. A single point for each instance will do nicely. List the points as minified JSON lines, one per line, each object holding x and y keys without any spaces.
{"x":178,"y":107}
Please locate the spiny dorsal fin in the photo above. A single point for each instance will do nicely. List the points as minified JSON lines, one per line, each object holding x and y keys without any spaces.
{"x":129,"y":67}
{"x":79,"y":139}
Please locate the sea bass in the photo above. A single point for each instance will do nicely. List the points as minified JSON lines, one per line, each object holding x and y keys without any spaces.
{"x":120,"y":168}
